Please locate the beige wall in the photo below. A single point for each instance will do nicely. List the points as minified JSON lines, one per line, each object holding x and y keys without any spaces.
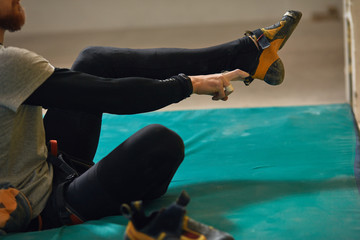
{"x":70,"y":15}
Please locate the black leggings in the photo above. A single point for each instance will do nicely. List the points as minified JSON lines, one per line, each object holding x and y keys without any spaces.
{"x":142,"y":166}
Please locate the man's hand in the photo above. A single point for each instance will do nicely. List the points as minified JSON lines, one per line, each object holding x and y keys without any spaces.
{"x":217,"y":85}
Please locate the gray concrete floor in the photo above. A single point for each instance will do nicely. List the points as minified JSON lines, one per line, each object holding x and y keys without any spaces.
{"x":313,"y":58}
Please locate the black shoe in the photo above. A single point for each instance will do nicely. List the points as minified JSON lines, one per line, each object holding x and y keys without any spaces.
{"x":169,"y":223}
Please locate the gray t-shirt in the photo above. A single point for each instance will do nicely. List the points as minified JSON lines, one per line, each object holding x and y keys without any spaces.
{"x":23,"y":149}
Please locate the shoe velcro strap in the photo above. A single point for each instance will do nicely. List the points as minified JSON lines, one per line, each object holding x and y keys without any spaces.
{"x":261,"y":39}
{"x":248,"y":80}
{"x":183,"y":199}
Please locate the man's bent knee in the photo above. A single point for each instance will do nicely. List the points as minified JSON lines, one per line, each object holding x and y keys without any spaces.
{"x":166,"y":137}
{"x":86,"y":60}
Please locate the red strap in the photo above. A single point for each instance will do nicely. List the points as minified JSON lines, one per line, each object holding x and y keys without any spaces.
{"x":40,"y":222}
{"x":190,"y":235}
{"x":53,"y":148}
{"x":75,"y":220}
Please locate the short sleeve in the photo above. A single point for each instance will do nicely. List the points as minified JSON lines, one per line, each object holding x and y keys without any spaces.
{"x":21,"y":73}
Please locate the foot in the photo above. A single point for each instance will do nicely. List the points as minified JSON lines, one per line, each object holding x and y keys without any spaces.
{"x":167,"y":223}
{"x":269,"y":40}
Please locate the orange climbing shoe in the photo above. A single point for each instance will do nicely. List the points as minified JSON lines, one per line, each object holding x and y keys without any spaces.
{"x":271,"y":39}
{"x":169,"y":223}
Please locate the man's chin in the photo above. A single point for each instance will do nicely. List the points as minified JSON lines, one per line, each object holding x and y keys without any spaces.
{"x":14,"y":23}
{"x":15,"y":29}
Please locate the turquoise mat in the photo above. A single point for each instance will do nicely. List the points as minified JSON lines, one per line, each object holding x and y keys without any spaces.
{"x":257,"y":173}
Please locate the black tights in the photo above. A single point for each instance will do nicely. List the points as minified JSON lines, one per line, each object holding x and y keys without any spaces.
{"x":142,"y":166}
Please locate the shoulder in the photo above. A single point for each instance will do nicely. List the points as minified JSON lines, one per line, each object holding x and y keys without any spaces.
{"x":13,"y":57}
{"x":19,"y":63}
{"x":10,"y":53}
{"x":21,"y":72}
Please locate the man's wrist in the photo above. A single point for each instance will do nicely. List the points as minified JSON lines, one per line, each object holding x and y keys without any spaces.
{"x":188,"y":79}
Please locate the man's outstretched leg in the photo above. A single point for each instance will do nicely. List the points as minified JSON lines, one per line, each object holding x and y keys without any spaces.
{"x":256,"y":53}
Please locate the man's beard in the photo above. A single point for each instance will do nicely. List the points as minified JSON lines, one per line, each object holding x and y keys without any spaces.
{"x":14,"y":21}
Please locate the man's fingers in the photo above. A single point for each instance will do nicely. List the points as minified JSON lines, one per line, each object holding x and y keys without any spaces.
{"x":236,"y":75}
